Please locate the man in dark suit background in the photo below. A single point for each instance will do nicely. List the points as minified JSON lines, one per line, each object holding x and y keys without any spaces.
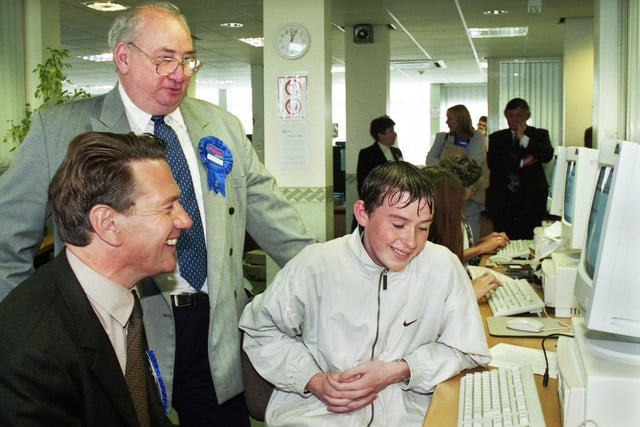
{"x":381,"y":151}
{"x":64,"y":351}
{"x":518,"y":188}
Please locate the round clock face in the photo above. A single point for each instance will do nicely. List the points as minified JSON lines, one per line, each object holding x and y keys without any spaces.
{"x":292,"y":41}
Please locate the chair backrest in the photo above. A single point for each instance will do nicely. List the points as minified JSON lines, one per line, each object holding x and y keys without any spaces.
{"x":257,"y":390}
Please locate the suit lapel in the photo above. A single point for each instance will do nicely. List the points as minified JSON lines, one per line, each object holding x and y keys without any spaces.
{"x":112,"y":116}
{"x":99,"y":353}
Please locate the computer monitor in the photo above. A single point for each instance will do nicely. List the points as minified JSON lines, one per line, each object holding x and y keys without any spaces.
{"x":555,"y":199}
{"x":608,"y":280}
{"x":580,"y":174}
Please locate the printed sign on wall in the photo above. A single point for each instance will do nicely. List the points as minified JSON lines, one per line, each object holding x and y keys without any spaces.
{"x":292,"y":97}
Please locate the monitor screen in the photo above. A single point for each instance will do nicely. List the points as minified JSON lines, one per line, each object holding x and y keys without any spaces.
{"x":608,"y":281}
{"x":569,"y":191}
{"x":555,"y":199}
{"x":580,"y":175}
{"x":596,"y":218}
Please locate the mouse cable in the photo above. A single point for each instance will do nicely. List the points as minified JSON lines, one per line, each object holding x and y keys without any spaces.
{"x":545,"y":377}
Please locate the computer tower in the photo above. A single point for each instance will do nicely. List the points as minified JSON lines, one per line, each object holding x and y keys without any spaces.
{"x":558,"y":281}
{"x":595,"y":390}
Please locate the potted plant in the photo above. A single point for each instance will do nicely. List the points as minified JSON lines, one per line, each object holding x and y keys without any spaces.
{"x":50,"y":90}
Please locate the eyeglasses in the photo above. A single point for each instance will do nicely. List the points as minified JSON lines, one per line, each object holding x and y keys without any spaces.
{"x":167,"y":65}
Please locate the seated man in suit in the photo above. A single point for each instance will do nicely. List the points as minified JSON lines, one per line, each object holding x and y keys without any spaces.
{"x":67,"y":350}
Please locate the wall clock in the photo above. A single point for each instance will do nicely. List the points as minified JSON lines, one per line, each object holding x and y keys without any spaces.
{"x":292,"y":41}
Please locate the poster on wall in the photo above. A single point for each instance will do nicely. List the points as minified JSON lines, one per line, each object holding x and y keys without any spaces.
{"x":293,"y":102}
{"x":293,"y":140}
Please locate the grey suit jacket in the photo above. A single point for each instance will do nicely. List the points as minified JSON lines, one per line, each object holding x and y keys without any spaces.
{"x":252,"y":203}
{"x":57,"y":365}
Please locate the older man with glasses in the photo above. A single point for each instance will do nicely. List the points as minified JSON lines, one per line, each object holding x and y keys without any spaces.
{"x":191,"y":315}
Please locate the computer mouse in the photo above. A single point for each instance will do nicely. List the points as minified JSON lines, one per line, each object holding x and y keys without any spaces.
{"x":525,"y":325}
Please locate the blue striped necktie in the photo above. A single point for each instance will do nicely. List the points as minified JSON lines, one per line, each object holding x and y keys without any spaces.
{"x":192,"y":251}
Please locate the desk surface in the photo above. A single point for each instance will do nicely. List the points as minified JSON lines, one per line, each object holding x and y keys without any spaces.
{"x":443,"y":410}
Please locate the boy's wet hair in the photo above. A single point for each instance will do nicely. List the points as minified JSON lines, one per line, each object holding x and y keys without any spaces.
{"x":391,"y":181}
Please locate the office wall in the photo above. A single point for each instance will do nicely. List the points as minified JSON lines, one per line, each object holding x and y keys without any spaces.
{"x":578,"y":72}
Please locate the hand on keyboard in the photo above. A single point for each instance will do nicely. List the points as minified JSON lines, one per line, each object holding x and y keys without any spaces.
{"x":492,"y":242}
{"x":484,"y":283}
{"x":515,"y":296}
{"x":515,"y":249}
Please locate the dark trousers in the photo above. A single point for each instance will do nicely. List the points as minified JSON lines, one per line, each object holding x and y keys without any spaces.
{"x":515,"y":220}
{"x":194,"y":396}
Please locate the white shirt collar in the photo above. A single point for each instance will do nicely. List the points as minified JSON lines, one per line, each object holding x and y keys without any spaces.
{"x":113,"y":298}
{"x":140,"y":121}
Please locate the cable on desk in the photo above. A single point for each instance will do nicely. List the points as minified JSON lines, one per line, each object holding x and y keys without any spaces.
{"x":545,"y":377}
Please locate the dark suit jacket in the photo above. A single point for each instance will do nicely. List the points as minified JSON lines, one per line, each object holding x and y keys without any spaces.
{"x":369,"y":158}
{"x":533,"y":182}
{"x":57,"y":365}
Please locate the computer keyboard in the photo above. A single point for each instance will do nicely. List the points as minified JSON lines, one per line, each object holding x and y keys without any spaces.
{"x":500,"y":397}
{"x":516,"y":249}
{"x":515,"y":296}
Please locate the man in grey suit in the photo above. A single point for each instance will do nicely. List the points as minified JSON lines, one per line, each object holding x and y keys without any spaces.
{"x":67,"y":355}
{"x":193,"y":333}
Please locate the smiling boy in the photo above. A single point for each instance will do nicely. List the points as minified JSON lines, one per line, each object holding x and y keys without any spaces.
{"x":359,"y":330}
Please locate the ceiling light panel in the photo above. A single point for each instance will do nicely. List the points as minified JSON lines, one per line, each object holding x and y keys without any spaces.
{"x":479,"y":33}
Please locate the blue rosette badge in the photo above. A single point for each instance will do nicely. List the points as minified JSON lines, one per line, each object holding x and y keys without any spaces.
{"x":218,"y":160}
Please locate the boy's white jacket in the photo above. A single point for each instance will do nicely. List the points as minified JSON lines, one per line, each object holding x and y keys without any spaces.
{"x":322,"y":313}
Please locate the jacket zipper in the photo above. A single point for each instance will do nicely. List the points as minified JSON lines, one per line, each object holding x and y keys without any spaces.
{"x":382,"y":286}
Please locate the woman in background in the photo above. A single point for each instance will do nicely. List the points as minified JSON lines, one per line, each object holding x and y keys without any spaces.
{"x":463,"y":139}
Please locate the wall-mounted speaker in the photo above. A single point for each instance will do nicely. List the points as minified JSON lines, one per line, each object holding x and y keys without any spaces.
{"x":363,"y":33}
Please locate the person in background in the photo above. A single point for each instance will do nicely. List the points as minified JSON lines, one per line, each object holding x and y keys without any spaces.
{"x":448,"y":227}
{"x":518,"y":188}
{"x":588,"y":137}
{"x":463,"y":139}
{"x":65,"y":356}
{"x":191,"y":322}
{"x":382,"y":150}
{"x":416,"y":324}
{"x":482,"y":127}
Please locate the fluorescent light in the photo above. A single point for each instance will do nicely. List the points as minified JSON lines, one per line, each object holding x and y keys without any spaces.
{"x":495,"y":12}
{"x":253,"y":41}
{"x":103,"y":57}
{"x":479,"y":33}
{"x":232,"y":25}
{"x":105,"y":6}
{"x":418,"y":65}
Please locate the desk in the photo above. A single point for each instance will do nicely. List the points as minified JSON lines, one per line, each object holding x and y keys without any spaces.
{"x":443,"y":410}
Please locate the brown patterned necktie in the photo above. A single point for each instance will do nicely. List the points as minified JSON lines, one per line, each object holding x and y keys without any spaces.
{"x":134,"y":372}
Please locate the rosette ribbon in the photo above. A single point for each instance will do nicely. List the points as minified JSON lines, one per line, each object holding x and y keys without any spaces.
{"x":218,"y":160}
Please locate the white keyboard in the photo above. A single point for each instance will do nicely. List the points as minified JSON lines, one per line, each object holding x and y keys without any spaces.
{"x":500,"y":397}
{"x":516,"y":249}
{"x":515,"y":296}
